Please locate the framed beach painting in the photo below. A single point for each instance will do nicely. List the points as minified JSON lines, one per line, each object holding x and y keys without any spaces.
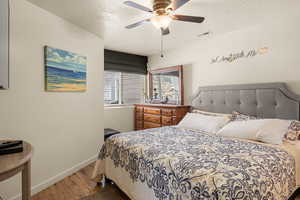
{"x":4,"y":44}
{"x":65,"y":71}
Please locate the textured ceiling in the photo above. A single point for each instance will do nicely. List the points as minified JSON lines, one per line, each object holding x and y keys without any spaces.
{"x":107,"y":19}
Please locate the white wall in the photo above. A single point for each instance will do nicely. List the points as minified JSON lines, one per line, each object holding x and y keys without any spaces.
{"x":119,"y":118}
{"x":66,"y":129}
{"x":282,"y":63}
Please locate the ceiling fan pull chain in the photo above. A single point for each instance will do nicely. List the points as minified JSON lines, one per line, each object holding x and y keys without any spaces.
{"x":162,"y":45}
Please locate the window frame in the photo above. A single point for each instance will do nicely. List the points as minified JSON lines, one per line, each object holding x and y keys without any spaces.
{"x":121,"y":93}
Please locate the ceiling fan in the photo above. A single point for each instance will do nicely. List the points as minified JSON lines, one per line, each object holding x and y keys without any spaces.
{"x":163,"y":14}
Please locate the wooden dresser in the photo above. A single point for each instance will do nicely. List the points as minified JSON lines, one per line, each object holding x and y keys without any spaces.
{"x":158,"y":115}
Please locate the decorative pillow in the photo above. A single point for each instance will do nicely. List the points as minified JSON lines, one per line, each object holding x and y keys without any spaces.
{"x":273,"y":131}
{"x":237,"y":116}
{"x":245,"y":129}
{"x":204,"y":123}
{"x":293,"y":132}
{"x":211,"y":113}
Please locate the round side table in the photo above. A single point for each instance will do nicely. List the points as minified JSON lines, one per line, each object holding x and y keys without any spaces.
{"x":12,"y":164}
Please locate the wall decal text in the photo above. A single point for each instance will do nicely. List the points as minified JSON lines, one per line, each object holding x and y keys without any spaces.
{"x":235,"y":56}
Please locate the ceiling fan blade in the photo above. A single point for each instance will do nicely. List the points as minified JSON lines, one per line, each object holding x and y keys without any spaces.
{"x":138,"y":6}
{"x":178,"y":3}
{"x":188,"y":18}
{"x":137,"y":24}
{"x":165,"y":31}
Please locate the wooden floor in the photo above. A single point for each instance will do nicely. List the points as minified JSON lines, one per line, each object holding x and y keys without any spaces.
{"x":79,"y":186}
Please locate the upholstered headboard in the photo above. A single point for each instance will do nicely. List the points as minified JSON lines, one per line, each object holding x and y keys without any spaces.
{"x":266,"y":100}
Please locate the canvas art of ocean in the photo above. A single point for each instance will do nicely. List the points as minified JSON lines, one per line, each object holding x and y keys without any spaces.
{"x":65,"y":71}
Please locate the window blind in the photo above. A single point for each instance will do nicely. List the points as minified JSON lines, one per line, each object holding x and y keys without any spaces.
{"x":124,"y":62}
{"x":123,"y":88}
{"x":132,"y":88}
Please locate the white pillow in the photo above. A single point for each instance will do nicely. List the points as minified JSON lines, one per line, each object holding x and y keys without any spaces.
{"x":206,"y":123}
{"x":211,"y":113}
{"x":243,"y":129}
{"x":273,"y":131}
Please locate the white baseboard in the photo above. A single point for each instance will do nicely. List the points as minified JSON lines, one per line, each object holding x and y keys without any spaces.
{"x":51,"y":181}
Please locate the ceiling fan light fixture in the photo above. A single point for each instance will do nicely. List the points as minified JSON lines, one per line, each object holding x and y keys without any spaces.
{"x":161,"y":21}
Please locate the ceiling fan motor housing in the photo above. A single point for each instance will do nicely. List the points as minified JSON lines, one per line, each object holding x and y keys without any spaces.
{"x":159,"y":6}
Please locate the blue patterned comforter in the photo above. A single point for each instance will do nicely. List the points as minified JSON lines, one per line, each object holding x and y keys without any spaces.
{"x":180,"y":164}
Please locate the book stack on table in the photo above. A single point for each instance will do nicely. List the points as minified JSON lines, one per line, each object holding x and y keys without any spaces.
{"x":10,"y":147}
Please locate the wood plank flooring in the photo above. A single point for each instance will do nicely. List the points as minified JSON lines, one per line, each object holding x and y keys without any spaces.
{"x":80,"y":187}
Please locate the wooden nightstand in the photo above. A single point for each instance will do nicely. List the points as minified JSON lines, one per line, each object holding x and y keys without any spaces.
{"x":12,"y":164}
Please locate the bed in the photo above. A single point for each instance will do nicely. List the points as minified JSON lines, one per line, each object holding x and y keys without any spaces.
{"x":172,"y":163}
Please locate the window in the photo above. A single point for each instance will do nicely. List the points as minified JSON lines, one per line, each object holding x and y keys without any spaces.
{"x":123,"y":88}
{"x":112,"y":87}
